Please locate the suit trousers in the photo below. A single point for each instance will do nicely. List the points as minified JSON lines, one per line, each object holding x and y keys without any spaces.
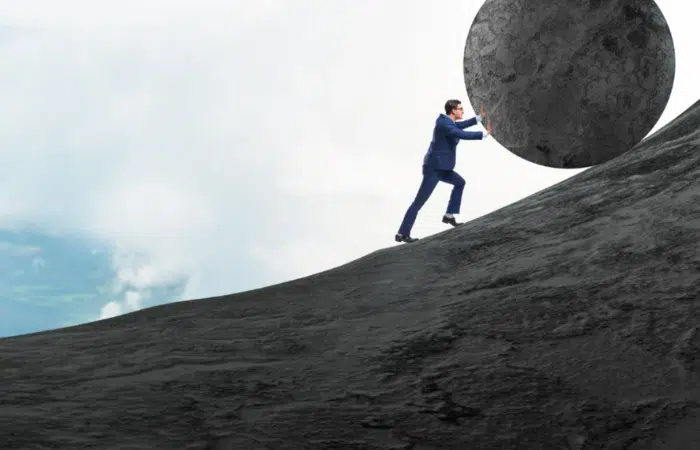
{"x":431,"y":177}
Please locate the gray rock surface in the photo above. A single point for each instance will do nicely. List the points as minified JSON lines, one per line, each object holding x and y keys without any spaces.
{"x":569,"y":83}
{"x":568,"y":320}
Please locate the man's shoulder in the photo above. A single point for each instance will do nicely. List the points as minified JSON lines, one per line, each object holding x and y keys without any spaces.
{"x":442,"y":120}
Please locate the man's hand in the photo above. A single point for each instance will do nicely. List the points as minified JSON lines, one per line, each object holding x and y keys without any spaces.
{"x":488,"y":129}
{"x":481,"y":116}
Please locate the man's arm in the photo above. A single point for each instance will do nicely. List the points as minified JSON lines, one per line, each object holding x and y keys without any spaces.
{"x":473,"y":121}
{"x":462,"y":124}
{"x":452,"y":129}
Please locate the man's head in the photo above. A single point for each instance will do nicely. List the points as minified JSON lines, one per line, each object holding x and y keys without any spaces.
{"x":454,"y":109}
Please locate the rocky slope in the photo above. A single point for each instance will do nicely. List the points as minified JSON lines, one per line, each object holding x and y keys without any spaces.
{"x":568,"y":320}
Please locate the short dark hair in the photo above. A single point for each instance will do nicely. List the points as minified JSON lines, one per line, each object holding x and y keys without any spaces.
{"x":451,"y":104}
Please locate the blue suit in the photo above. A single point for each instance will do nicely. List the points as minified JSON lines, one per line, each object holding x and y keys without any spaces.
{"x":438,"y":165}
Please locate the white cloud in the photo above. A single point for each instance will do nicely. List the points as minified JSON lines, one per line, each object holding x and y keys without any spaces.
{"x":133,"y":300}
{"x":95,"y":16}
{"x":109,"y":310}
{"x":233,"y":143}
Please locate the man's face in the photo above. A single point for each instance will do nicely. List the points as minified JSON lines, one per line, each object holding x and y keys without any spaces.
{"x":458,"y":112}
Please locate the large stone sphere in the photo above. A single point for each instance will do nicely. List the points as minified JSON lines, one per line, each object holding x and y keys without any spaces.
{"x":569,"y":83}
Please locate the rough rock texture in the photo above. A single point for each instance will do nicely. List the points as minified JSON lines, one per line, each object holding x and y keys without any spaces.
{"x":570,"y":83}
{"x":568,"y":320}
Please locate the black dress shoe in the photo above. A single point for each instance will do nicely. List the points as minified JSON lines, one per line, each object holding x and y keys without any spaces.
{"x":450,"y":220}
{"x":408,"y":239}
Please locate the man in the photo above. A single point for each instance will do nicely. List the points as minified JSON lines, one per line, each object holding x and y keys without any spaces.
{"x":439,"y":163}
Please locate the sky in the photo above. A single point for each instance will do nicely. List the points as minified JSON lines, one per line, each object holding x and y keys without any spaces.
{"x":231,"y":145}
{"x":49,"y":282}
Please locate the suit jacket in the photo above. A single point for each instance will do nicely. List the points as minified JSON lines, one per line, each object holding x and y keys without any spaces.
{"x":442,"y":153}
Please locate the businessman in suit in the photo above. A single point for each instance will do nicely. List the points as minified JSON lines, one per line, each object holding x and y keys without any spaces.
{"x":439,"y":163}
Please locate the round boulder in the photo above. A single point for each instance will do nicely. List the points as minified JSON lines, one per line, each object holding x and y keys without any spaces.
{"x":569,"y":83}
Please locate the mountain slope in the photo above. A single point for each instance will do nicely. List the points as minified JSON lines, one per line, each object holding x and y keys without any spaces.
{"x":568,"y":320}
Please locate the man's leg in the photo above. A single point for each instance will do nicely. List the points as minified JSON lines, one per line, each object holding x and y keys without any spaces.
{"x":427,"y":186}
{"x":453,"y":207}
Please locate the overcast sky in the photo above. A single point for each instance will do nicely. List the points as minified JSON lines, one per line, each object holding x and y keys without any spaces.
{"x":243,"y":143}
